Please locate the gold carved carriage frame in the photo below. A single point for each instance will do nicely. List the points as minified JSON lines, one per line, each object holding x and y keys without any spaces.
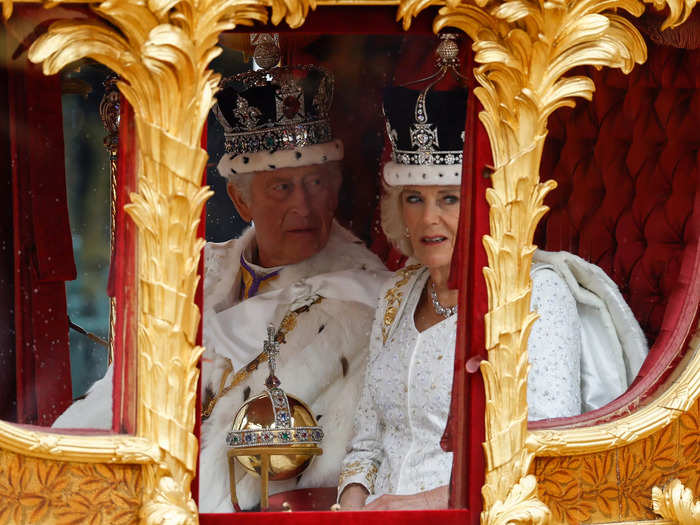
{"x":161,"y":49}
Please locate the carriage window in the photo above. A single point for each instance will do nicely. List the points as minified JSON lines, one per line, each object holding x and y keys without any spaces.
{"x":298,"y":255}
{"x":627,"y":203}
{"x":88,"y":182}
{"x":56,"y":238}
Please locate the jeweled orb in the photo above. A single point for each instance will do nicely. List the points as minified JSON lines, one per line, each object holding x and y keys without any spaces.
{"x":257,"y":416}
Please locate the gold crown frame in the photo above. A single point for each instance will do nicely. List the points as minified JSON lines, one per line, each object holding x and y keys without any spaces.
{"x":161,"y":49}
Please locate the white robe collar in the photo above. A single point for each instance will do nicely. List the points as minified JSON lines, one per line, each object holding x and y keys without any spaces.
{"x":345,"y":269}
{"x":343,"y":251}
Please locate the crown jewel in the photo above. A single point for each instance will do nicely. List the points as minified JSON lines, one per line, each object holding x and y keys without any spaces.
{"x":283,"y":108}
{"x":426,"y":127}
{"x":284,"y":428}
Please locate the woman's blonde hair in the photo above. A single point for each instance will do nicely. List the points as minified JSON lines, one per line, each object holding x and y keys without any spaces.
{"x":392,"y":219}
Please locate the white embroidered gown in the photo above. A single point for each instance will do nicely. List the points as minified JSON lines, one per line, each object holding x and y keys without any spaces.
{"x":406,"y":397}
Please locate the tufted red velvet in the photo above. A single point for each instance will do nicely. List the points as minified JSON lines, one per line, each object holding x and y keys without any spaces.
{"x":628,"y":164}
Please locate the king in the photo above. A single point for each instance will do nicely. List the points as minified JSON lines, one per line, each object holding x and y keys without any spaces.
{"x":296,"y":269}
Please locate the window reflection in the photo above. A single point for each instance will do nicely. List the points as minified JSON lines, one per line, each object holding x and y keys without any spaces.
{"x":88,"y":183}
{"x":56,"y":241}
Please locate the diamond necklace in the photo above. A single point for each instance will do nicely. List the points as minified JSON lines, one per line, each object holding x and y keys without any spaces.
{"x":439,"y":309}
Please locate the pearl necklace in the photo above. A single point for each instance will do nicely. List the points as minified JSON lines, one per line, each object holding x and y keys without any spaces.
{"x":439,"y":309}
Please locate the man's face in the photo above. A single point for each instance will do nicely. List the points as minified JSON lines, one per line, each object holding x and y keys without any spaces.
{"x":292,"y":209}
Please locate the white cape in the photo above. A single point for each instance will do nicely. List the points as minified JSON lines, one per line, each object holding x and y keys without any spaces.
{"x":613,"y":344}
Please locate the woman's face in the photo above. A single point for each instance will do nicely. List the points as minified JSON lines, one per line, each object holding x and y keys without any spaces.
{"x":431,"y":215}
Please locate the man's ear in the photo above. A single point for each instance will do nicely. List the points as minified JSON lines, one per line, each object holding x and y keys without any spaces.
{"x":241,"y":205}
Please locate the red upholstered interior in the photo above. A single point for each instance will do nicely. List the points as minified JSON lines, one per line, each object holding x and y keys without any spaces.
{"x":628,"y":165}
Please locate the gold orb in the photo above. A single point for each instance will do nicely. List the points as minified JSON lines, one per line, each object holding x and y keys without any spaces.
{"x":258,"y":416}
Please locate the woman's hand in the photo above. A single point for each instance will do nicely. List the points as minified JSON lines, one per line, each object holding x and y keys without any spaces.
{"x":430,"y":499}
{"x":353,"y":497}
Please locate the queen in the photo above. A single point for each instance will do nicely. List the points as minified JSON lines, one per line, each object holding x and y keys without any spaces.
{"x":394,"y":460}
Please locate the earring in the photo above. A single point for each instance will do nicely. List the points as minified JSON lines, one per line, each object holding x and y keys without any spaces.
{"x":406,"y":233}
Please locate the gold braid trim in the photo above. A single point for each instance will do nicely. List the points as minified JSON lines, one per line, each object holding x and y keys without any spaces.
{"x":359,"y":467}
{"x":393,"y":299}
{"x":288,"y":323}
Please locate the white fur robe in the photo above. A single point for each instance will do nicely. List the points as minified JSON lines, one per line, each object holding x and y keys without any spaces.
{"x":322,"y":363}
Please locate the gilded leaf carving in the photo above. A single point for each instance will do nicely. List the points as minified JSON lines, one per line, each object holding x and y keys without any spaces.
{"x":294,"y":12}
{"x":43,"y":491}
{"x":559,"y":487}
{"x":677,"y":502}
{"x":597,"y":491}
{"x":162,"y":50}
{"x":616,"y":485}
{"x":689,"y":424}
{"x":678,"y":10}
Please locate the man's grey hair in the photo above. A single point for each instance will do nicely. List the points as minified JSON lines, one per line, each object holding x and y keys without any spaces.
{"x":392,"y":219}
{"x":242,"y":181}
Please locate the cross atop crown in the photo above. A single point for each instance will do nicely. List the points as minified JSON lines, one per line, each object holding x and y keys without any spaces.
{"x":272,"y":349}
